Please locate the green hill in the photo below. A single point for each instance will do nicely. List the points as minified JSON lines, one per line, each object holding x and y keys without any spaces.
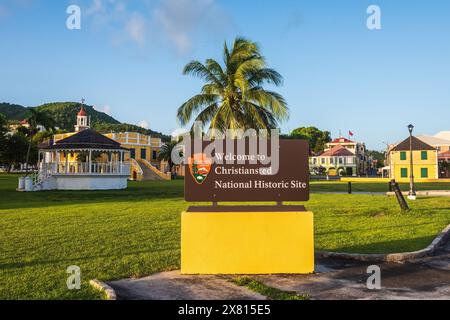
{"x":65,"y":116}
{"x":13,"y":112}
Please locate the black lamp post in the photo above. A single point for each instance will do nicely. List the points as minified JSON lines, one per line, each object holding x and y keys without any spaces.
{"x":412,"y":191}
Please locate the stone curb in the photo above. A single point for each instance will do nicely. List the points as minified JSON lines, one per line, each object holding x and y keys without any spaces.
{"x":391,"y":257}
{"x":103,"y":287}
{"x":434,"y":193}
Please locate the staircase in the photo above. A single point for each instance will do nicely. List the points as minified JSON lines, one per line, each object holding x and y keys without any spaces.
{"x":37,"y":181}
{"x":151,"y":173}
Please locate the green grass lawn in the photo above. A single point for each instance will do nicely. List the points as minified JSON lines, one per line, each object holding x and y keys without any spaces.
{"x":136,"y":232}
{"x":337,"y":186}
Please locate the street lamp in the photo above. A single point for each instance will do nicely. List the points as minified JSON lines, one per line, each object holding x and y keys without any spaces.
{"x":412,"y":191}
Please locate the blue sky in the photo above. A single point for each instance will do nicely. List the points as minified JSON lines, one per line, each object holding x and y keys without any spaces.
{"x":338,"y":75}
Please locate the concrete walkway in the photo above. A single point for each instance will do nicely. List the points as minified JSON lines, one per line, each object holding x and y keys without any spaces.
{"x":427,"y":278}
{"x":173,"y":286}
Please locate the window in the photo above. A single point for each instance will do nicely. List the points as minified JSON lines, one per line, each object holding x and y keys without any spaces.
{"x":143,"y":153}
{"x":404,"y":172}
{"x":341,"y":161}
{"x":403,"y":155}
{"x":323,"y":160}
{"x":424,"y":155}
{"x":424,"y":172}
{"x":132,"y":153}
{"x":155,"y":154}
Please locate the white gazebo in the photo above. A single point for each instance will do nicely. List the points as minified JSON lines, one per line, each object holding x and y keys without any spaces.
{"x":86,"y":160}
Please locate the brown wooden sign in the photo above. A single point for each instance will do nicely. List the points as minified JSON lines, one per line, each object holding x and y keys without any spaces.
{"x":244,"y":174}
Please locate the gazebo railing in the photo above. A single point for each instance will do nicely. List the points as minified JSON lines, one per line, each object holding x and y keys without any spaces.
{"x":83,"y":168}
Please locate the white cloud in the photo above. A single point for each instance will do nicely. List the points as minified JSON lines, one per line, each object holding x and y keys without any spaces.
{"x":180,"y":19}
{"x":136,"y":28}
{"x":175,"y":22}
{"x":144,"y":124}
{"x":95,"y":7}
{"x":179,"y":132}
{"x":106,"y":109}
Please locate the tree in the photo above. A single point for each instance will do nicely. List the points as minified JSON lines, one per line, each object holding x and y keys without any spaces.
{"x":3,"y":131}
{"x":36,"y":119}
{"x":317,"y":138}
{"x":444,"y":168}
{"x":15,"y":150}
{"x":377,"y":155}
{"x":165,"y":154}
{"x":125,"y":127}
{"x":233,"y":96}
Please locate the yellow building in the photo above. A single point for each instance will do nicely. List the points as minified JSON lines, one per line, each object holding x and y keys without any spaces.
{"x":143,"y":150}
{"x":143,"y":155}
{"x":425,"y":161}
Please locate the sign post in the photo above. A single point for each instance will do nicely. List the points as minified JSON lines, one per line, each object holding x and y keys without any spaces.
{"x":243,"y":238}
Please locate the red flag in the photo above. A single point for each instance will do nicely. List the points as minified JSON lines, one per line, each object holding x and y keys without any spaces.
{"x":350,"y":134}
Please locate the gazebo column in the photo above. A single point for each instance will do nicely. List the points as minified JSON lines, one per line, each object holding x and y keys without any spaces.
{"x":66,"y":155}
{"x":90,"y":161}
{"x":58,"y":160}
{"x":111,"y":155}
{"x":121,"y":159}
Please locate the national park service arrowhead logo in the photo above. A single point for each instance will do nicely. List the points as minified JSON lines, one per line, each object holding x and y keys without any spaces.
{"x":200,"y":167}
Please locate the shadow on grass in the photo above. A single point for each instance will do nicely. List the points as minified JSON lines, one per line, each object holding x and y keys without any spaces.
{"x":383,"y":247}
{"x":85,"y":259}
{"x":137,"y":191}
{"x":387,"y":228}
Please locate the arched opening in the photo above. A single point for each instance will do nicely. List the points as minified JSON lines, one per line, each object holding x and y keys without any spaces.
{"x":349,"y":172}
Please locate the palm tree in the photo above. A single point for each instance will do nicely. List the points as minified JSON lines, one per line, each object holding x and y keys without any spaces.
{"x":36,"y":119}
{"x":165,"y":154}
{"x":233,"y":96}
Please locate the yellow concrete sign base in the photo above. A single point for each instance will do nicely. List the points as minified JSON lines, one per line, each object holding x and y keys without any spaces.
{"x":247,"y":243}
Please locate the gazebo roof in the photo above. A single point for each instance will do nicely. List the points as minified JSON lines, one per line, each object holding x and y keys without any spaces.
{"x":86,"y":139}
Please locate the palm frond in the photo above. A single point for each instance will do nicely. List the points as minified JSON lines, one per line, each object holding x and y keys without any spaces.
{"x":269,"y":100}
{"x":194,"y":105}
{"x":265,"y":75}
{"x":233,"y":96}
{"x":197,"y":69}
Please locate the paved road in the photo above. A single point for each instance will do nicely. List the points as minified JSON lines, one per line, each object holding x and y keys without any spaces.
{"x":428,"y":278}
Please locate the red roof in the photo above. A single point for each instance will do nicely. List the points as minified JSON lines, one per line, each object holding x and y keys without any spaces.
{"x":342,"y":140}
{"x":337,"y":151}
{"x":82,"y":113}
{"x":24,"y":122}
{"x":444,"y":155}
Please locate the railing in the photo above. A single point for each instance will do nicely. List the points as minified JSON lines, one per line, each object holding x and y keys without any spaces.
{"x":137,"y":166}
{"x":38,"y":177}
{"x":84,"y":168}
{"x":155,"y":170}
